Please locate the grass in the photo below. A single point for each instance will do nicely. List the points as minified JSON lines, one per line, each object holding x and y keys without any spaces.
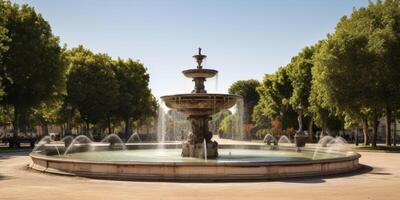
{"x":6,"y":149}
{"x":391,"y":149}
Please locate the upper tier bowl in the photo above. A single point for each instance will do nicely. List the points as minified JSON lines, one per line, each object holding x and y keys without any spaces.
{"x":200,"y":73}
{"x":201,"y":103}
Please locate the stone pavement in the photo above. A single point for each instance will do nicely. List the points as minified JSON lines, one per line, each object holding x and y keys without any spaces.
{"x":382,"y":182}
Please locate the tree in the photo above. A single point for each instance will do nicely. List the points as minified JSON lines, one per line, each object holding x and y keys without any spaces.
{"x":356,"y":76}
{"x":228,"y":126}
{"x":33,"y":68}
{"x":91,"y":85}
{"x":4,"y":7}
{"x":134,"y":93}
{"x":248,"y":90}
{"x":149,"y":113}
{"x":217,"y":119}
{"x":6,"y":116}
{"x":299,"y":71}
{"x":261,"y":120}
{"x":275,"y":92}
{"x":46,"y":114}
{"x":385,"y":42}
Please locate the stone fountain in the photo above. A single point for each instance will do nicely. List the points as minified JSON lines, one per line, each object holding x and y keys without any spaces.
{"x":113,"y":159}
{"x":198,"y":106}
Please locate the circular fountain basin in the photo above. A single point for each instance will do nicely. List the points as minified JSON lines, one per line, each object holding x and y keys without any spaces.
{"x":235,"y":162}
{"x":200,"y":103}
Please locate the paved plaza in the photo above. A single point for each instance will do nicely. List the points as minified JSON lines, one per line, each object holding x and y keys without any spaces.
{"x":379,"y":180}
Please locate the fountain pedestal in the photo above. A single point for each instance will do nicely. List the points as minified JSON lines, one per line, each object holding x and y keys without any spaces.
{"x":194,"y":147}
{"x":197,"y":149}
{"x":199,"y":106}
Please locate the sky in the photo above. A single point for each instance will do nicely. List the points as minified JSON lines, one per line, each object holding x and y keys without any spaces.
{"x":243,"y":39}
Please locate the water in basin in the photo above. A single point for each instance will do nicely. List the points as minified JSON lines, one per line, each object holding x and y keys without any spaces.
{"x":225,"y":156}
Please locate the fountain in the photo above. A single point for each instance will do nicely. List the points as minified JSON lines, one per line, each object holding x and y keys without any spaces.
{"x":284,"y":140}
{"x":134,"y":137}
{"x":198,"y":106}
{"x":199,"y":157}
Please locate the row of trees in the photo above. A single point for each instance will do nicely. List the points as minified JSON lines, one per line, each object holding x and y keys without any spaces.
{"x":108,"y":91}
{"x":43,"y":83}
{"x":350,"y":79}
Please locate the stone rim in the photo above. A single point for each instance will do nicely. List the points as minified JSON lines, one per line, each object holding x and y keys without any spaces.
{"x":194,"y":171}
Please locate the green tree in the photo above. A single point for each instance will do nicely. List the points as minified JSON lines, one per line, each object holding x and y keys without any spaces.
{"x":217,"y":119}
{"x":149,"y":113}
{"x":275,"y":92}
{"x":46,"y":114}
{"x":227,"y":125}
{"x":385,"y":42}
{"x":299,"y":71}
{"x":33,"y":68}
{"x":6,"y":116}
{"x":248,"y":90}
{"x":92,"y":86}
{"x":4,"y":7}
{"x":261,"y":120}
{"x":358,"y":66}
{"x":134,"y":96}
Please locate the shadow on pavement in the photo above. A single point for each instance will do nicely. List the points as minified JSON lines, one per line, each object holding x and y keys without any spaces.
{"x":364,"y":169}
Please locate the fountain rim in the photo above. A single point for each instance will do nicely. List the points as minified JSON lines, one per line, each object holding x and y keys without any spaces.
{"x":354,"y":156}
{"x":206,"y":73}
{"x":210,"y":95}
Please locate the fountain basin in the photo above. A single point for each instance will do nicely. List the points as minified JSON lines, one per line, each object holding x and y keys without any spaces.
{"x":200,"y":73}
{"x":200,"y":103}
{"x":235,"y":162}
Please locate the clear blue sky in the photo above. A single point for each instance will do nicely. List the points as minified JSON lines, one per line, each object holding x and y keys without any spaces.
{"x":243,"y":39}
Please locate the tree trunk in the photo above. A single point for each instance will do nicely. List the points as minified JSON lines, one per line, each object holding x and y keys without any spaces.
{"x":109,"y":125}
{"x":394,"y":127}
{"x":87,"y":128}
{"x":388,"y":126}
{"x":310,"y":130}
{"x":127,"y":127}
{"x":356,"y":136}
{"x":375,"y":128}
{"x":16,"y":122}
{"x":62,"y":131}
{"x":365,"y":131}
{"x":324,"y":127}
{"x":13,"y":140}
{"x":46,"y":129}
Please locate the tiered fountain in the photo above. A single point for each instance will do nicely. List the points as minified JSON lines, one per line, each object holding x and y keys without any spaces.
{"x":198,"y":106}
{"x":112,"y":158}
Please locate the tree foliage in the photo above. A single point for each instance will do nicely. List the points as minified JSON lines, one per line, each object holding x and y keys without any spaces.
{"x":91,"y":84}
{"x":299,"y":71}
{"x":275,"y":93}
{"x":33,"y":68}
{"x":357,"y":66}
{"x":134,"y":96}
{"x":248,"y":90}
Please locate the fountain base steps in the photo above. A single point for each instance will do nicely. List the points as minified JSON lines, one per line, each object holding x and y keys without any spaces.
{"x":197,"y":150}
